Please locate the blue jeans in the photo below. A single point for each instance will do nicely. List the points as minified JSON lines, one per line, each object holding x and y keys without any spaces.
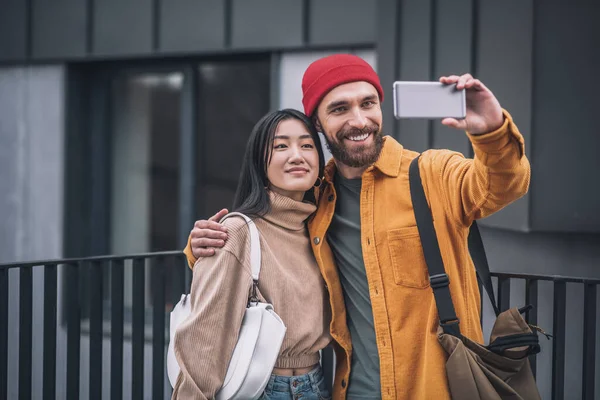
{"x":310,"y":386}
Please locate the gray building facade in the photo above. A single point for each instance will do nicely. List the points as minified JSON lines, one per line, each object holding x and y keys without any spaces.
{"x":123,"y":121}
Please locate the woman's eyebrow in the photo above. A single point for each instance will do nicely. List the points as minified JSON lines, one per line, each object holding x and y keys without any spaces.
{"x":307,"y":136}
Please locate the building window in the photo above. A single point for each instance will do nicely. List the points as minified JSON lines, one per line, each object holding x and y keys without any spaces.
{"x":129,"y":126}
{"x":145,"y":162}
{"x":233,"y":96}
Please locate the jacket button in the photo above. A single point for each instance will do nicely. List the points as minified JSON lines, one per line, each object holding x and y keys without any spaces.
{"x":317,"y":240}
{"x":343,"y":383}
{"x":330,"y":198}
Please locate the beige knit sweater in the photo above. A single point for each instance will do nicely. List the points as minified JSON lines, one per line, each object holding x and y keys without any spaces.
{"x":289,"y":279}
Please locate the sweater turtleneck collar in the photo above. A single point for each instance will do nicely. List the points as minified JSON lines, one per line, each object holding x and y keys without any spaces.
{"x":288,"y":213}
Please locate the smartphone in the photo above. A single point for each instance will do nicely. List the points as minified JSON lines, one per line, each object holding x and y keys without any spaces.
{"x":430,"y":100}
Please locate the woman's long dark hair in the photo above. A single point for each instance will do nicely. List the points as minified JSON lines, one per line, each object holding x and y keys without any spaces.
{"x":251,"y":197}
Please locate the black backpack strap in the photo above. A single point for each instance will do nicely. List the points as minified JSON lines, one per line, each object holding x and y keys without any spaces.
{"x":481,"y":264}
{"x":431,"y":250}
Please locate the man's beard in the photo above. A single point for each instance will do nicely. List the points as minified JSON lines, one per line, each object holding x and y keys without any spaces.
{"x":359,"y":156}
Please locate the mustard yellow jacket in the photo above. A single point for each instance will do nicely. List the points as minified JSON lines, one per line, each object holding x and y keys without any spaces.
{"x":459,"y":191}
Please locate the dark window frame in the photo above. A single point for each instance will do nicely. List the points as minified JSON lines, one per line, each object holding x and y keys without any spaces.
{"x":87,"y":148}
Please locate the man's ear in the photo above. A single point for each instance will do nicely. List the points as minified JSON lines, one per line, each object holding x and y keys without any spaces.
{"x":317,"y":123}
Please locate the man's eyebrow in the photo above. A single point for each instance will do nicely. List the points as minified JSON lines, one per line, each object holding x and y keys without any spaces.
{"x":336,"y":104}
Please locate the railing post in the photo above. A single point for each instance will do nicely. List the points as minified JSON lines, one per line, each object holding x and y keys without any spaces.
{"x":531,"y":297}
{"x":158,"y":327}
{"x":558,"y":360}
{"x":589,"y":341}
{"x":25,"y":332}
{"x":137,"y":331}
{"x":178,"y":280}
{"x":73,"y":329}
{"x":3,"y":332}
{"x":49,"y":363}
{"x":503,"y":293}
{"x":96,"y":284}
{"x":116,"y":329}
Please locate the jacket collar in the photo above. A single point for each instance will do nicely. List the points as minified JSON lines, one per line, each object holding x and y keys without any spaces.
{"x":390,"y":158}
{"x":388,"y":162}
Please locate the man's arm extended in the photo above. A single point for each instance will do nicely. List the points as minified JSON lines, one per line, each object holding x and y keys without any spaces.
{"x":475,"y":188}
{"x":497,"y":175}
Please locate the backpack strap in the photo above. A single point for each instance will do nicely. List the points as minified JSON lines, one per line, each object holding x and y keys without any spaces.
{"x":481,"y":264}
{"x":431,"y":250}
{"x":433,"y":258}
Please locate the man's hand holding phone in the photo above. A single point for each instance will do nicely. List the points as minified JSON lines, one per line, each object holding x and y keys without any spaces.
{"x":461,"y":102}
{"x":484,"y":113}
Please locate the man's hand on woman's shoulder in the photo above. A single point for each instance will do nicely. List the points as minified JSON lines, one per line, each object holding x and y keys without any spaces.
{"x":208,"y":235}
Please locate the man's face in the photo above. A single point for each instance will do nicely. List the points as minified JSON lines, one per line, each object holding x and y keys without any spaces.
{"x":350,"y":118}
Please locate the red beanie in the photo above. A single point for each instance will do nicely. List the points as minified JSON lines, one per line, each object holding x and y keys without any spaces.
{"x":328,"y":72}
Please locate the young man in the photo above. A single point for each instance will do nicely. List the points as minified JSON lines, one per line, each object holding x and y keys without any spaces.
{"x":364,"y":234}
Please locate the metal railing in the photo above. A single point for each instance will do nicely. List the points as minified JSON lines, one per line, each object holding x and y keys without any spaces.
{"x":93,"y":271}
{"x":72,"y":322}
{"x":559,"y":321}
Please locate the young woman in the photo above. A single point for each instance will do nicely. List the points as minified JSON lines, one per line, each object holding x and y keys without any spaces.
{"x":283,"y":161}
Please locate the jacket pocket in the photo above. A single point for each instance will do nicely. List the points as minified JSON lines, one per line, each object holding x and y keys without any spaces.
{"x":406,"y":254}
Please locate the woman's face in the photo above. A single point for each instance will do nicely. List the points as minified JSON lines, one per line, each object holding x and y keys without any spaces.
{"x":294,"y":165}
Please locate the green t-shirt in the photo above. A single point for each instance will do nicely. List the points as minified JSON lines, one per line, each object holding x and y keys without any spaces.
{"x":344,"y":238}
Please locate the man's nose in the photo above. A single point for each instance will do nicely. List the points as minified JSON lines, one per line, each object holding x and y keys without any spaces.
{"x":358,"y":120}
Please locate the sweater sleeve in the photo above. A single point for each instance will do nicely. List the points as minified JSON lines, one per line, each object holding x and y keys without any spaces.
{"x":498,"y":174}
{"x":205,"y":341}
